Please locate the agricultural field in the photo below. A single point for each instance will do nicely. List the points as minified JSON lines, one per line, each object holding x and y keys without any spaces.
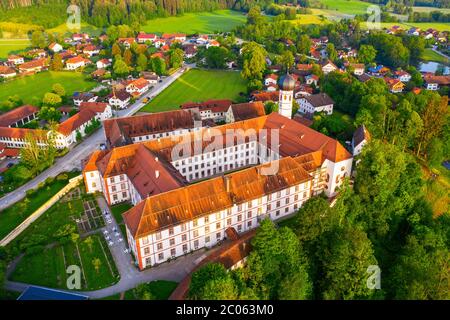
{"x":429,"y":9}
{"x":9,"y":46}
{"x":199,"y":85}
{"x":200,"y":22}
{"x":440,"y":26}
{"x":85,"y":27}
{"x":351,"y":7}
{"x":28,"y":91}
{"x":305,"y":19}
{"x":430,"y":55}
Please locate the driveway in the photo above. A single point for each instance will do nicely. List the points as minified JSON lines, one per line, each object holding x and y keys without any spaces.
{"x":72,"y":160}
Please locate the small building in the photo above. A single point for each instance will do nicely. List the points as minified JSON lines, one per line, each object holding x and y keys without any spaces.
{"x":360,"y":138}
{"x":77,"y":62}
{"x":143,"y":37}
{"x":55,"y":47}
{"x":320,"y":102}
{"x":15,"y":59}
{"x":91,"y":50}
{"x":138,"y":86}
{"x":271,"y":79}
{"x":312,"y":78}
{"x":7,"y":72}
{"x":119,"y":99}
{"x":126,"y":42}
{"x":79,"y":97}
{"x":212,"y":43}
{"x":395,"y":85}
{"x":403,"y":76}
{"x":358,"y":68}
{"x":80,"y":37}
{"x":103,"y":63}
{"x":36,"y":65}
{"x":432,"y":82}
{"x":328,"y":67}
{"x":244,"y":111}
{"x":210,"y":109}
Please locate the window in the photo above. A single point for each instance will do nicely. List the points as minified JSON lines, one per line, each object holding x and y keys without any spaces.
{"x":218,"y":236}
{"x":113,"y":188}
{"x":249,"y":224}
{"x":161,"y":256}
{"x":183,"y":237}
{"x":92,"y":174}
{"x":206,"y":229}
{"x":94,"y":185}
{"x":239,"y":217}
{"x":229,"y":222}
{"x":146,"y":251}
{"x":195,"y":233}
{"x":207,"y":239}
{"x":124,"y":194}
{"x":239,"y":227}
{"x":170,"y":231}
{"x":196,"y":244}
{"x":185,"y":248}
{"x":195,"y":222}
{"x":278,"y":204}
{"x":159,"y":246}
{"x":148,"y":261}
{"x":144,"y":241}
{"x":172,"y":252}
{"x":183,"y":227}
{"x":218,"y":225}
{"x":158,"y":236}
{"x":206,"y":219}
{"x":249,"y":215}
{"x":122,"y":186}
{"x":172,"y":241}
{"x":218,"y":216}
{"x":115,"y":197}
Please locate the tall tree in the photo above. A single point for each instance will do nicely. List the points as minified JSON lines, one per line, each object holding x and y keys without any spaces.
{"x":254,"y":57}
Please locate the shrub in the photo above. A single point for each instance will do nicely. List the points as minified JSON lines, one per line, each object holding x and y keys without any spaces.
{"x":62,"y":176}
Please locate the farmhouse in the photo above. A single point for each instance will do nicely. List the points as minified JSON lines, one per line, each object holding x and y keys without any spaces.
{"x":358,"y":68}
{"x":403,"y":76}
{"x":79,"y":97}
{"x":395,"y":85}
{"x":328,"y":66}
{"x":91,"y":50}
{"x":244,"y":111}
{"x":143,"y":37}
{"x":76,"y":62}
{"x":360,"y":138}
{"x":103,"y":63}
{"x":55,"y":47}
{"x":127,"y":42}
{"x":15,"y":59}
{"x":320,"y":102}
{"x":119,"y":99}
{"x":435,"y":82}
{"x":312,"y":79}
{"x":137,"y":87}
{"x":34,"y":65}
{"x":7,"y":72}
{"x":212,"y":43}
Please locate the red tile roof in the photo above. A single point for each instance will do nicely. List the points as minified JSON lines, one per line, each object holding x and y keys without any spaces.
{"x":20,"y":133}
{"x":37,"y":63}
{"x":213,"y":105}
{"x":98,"y":107}
{"x":17,"y":114}
{"x":6,"y":70}
{"x":244,"y":111}
{"x":76,"y":121}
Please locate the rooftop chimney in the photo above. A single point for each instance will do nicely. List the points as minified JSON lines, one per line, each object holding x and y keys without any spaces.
{"x":157,"y":174}
{"x":227,"y":183}
{"x":156,"y":159}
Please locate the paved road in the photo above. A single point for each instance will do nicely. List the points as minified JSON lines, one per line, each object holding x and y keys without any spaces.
{"x":130,"y":276}
{"x":72,"y":160}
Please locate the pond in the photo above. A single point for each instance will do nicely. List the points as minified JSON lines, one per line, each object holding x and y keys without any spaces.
{"x":433,"y":67}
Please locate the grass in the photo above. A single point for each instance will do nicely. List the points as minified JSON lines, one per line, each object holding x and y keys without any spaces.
{"x":28,"y":91}
{"x":430,"y":9}
{"x":117,"y":211}
{"x":305,"y":19}
{"x":346,"y":6}
{"x":430,"y":55}
{"x":85,"y":27}
{"x":11,"y":217}
{"x":200,"y":22}
{"x":198,"y":85}
{"x":10,"y":46}
{"x":440,"y":26}
{"x":48,"y":267}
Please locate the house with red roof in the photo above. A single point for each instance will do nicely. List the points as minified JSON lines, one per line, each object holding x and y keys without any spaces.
{"x":91,"y":50}
{"x":103,"y":63}
{"x":143,"y":37}
{"x":7,"y":72}
{"x":77,"y":62}
{"x":55,"y":47}
{"x":137,"y":87}
{"x":15,"y":59}
{"x":36,"y":65}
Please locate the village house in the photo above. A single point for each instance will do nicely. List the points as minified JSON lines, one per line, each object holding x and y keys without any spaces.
{"x":403,"y":76}
{"x":432,"y":82}
{"x":212,"y":43}
{"x":77,"y":62}
{"x":358,"y":68}
{"x":15,"y":59}
{"x":244,"y":111}
{"x":181,"y":37}
{"x":80,"y":37}
{"x":55,"y":47}
{"x":360,"y":138}
{"x":137,"y":87}
{"x":7,"y":72}
{"x":320,"y":102}
{"x":79,"y":97}
{"x":119,"y":99}
{"x":395,"y":85}
{"x":127,"y":42}
{"x":328,"y":66}
{"x":102,"y":110}
{"x":34,"y":65}
{"x":151,"y":77}
{"x":190,"y":50}
{"x":143,"y":37}
{"x":202,"y":39}
{"x":103,"y":63}
{"x":312,"y":79}
{"x":91,"y":50}
{"x":271,"y":79}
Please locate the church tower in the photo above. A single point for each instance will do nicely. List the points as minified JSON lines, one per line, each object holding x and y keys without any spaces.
{"x":286,"y":98}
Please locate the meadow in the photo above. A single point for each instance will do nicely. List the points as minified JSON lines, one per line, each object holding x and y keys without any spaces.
{"x":8,"y":46}
{"x":430,"y":55}
{"x":28,"y":91}
{"x":440,"y":26}
{"x":346,"y":6}
{"x":199,"y":85}
{"x":200,"y":22}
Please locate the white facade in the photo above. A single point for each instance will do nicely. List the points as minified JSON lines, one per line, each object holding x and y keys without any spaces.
{"x":285,"y":103}
{"x":307,"y":107}
{"x":118,"y":103}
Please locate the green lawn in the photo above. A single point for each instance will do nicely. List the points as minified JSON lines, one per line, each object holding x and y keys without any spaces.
{"x":346,"y":6}
{"x":440,"y":26}
{"x":199,"y":85}
{"x":27,"y":87}
{"x":200,"y":22}
{"x":8,"y":46}
{"x":11,"y":217}
{"x":85,"y":27}
{"x":48,"y":267}
{"x":117,"y":211}
{"x":429,"y":9}
{"x":430,"y":55}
